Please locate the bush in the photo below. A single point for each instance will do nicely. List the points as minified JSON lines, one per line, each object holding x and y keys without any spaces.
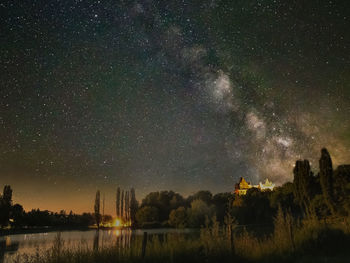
{"x":147,"y":214}
{"x":178,"y":217}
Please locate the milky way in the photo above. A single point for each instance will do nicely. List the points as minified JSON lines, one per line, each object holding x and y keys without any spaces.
{"x":181,"y":95}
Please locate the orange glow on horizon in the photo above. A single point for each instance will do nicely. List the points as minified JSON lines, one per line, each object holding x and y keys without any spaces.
{"x":118,"y":222}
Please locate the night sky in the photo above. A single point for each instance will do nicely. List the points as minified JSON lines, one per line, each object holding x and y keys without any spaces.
{"x":160,"y":95}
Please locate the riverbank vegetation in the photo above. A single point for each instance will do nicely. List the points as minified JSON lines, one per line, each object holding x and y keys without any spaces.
{"x":301,"y":221}
{"x":320,"y":196}
{"x":290,"y":241}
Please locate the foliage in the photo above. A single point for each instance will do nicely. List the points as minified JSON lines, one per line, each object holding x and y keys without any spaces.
{"x":5,"y":205}
{"x":326,"y":194}
{"x":303,"y":180}
{"x":253,"y":208}
{"x":198,"y":212}
{"x":282,"y":196}
{"x":147,"y":214}
{"x":97,"y":209}
{"x":221,"y":202}
{"x":342,"y":189}
{"x":326,"y":179}
{"x":205,"y":196}
{"x":133,"y":206}
{"x":126,"y":205}
{"x":178,"y":217}
{"x":164,"y":201}
{"x":117,"y":203}
{"x":304,"y":199}
{"x":18,"y":215}
{"x":36,"y":217}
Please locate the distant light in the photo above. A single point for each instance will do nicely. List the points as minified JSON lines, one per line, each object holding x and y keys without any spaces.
{"x":117,"y":222}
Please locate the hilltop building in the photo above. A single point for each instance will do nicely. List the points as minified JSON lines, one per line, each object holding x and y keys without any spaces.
{"x":242,"y":187}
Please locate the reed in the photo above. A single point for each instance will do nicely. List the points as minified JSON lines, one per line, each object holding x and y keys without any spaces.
{"x":291,"y":241}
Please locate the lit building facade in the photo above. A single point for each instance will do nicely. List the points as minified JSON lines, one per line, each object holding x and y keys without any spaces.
{"x":243,"y":186}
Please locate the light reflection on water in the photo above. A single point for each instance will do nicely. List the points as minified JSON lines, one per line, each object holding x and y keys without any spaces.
{"x":13,"y":245}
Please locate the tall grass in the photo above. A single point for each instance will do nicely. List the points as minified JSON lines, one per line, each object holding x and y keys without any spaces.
{"x":291,"y":241}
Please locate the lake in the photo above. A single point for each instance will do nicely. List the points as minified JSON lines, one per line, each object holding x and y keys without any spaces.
{"x":12,"y":246}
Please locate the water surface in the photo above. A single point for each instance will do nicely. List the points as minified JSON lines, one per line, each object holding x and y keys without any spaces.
{"x":12,"y":246}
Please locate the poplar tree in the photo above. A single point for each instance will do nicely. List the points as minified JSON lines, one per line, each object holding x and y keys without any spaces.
{"x":133,"y":206}
{"x":122,"y":206}
{"x":7,"y":195}
{"x":127,"y":205}
{"x":326,"y":179}
{"x":118,"y":202}
{"x":5,"y":205}
{"x":97,"y":208}
{"x":302,"y":185}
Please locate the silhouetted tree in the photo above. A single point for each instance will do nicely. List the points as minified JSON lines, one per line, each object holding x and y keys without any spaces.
{"x":198,"y":212}
{"x":18,"y":215}
{"x":326,"y":179}
{"x":205,"y":196}
{"x":178,"y":217}
{"x":253,"y":208}
{"x":127,"y":206}
{"x":302,"y":185}
{"x":118,"y":202}
{"x":147,"y":214}
{"x":133,"y":206}
{"x":342,"y":187}
{"x":7,"y":195}
{"x":283,"y":196}
{"x":221,"y":203}
{"x":122,"y":206}
{"x":40,"y":218}
{"x":165,"y":201}
{"x":97,"y":209}
{"x":176,"y":201}
{"x":5,"y":205}
{"x":107,"y":219}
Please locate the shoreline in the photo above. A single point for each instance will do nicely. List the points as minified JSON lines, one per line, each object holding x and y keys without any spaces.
{"x":18,"y":231}
{"x":38,"y":230}
{"x":33,"y":230}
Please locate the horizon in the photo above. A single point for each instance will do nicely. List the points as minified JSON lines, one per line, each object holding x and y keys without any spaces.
{"x":111,"y":194}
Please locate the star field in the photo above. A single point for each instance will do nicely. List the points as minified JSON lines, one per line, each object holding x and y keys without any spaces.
{"x":181,"y":95}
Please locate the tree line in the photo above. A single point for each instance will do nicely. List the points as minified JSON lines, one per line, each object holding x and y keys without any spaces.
{"x":16,"y":217}
{"x":320,"y":196}
{"x":324,"y":195}
{"x":126,"y":206}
